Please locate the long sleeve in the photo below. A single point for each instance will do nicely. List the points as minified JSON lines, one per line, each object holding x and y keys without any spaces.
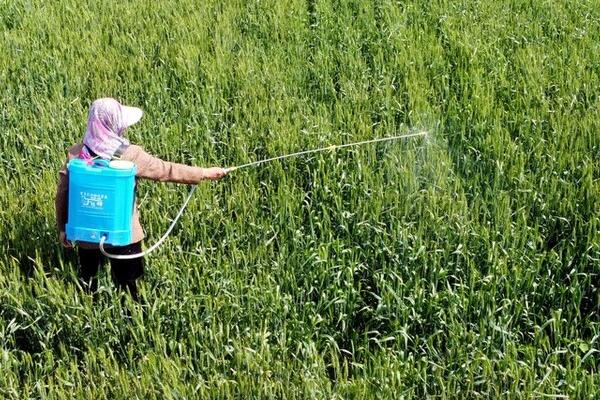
{"x":150,"y":167}
{"x":61,"y":201}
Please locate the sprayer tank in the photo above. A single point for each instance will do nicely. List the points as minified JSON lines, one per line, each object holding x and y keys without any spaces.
{"x":101,"y":201}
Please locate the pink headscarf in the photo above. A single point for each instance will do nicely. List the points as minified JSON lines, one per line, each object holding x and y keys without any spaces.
{"x":106,"y":125}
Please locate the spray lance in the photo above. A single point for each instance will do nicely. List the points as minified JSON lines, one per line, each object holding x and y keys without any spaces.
{"x":103,"y":238}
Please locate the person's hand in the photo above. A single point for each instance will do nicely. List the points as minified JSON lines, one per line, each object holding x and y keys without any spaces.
{"x":214,"y":173}
{"x":62,"y":237}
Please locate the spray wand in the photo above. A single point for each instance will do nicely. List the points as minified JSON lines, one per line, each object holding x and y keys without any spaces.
{"x":330,"y":148}
{"x":248,"y":165}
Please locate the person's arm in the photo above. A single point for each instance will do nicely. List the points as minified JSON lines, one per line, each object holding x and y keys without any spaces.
{"x":154,"y":168}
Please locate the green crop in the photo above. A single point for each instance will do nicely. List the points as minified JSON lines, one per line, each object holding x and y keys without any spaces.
{"x":465,"y":265}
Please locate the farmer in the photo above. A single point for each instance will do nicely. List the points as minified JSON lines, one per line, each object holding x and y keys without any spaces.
{"x":107,"y":123}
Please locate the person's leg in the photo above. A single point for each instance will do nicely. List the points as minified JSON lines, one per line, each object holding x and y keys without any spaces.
{"x":89,"y":262}
{"x":126,"y":272}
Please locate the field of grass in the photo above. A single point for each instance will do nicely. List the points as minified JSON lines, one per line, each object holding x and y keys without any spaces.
{"x":463,"y":265}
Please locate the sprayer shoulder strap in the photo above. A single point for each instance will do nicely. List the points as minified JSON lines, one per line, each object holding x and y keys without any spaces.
{"x":119,"y":153}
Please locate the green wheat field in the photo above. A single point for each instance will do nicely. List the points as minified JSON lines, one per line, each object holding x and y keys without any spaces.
{"x":462,"y":264}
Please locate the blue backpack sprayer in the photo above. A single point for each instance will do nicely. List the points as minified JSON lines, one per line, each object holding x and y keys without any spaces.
{"x":101,"y":201}
{"x":102,"y":195}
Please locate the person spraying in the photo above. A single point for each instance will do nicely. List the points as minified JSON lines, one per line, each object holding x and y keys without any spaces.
{"x":104,"y":139}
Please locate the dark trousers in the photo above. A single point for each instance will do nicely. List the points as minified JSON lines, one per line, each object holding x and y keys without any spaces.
{"x":124,"y":272}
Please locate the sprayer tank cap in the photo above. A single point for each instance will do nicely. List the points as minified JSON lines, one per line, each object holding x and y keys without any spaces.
{"x":121,"y":164}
